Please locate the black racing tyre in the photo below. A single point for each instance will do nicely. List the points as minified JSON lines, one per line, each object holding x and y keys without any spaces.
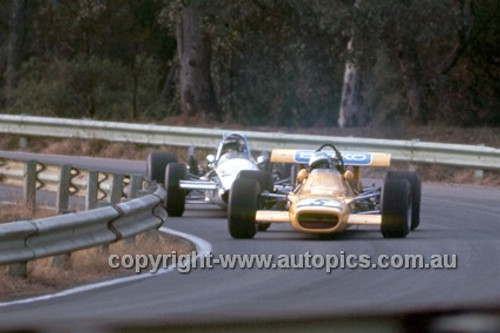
{"x":416,"y":192}
{"x":243,"y":203}
{"x":396,"y":208}
{"x":265,"y":179}
{"x":156,"y":165}
{"x":176,"y":197}
{"x":263,"y":226}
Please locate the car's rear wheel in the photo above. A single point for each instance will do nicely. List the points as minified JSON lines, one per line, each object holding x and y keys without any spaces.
{"x":243,"y":205}
{"x":176,"y":197}
{"x":416,"y":191}
{"x":265,"y":179}
{"x":157,"y":164}
{"x":396,"y":208}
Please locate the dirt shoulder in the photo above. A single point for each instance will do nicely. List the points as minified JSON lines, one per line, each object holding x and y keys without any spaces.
{"x":13,"y":212}
{"x":87,"y":266}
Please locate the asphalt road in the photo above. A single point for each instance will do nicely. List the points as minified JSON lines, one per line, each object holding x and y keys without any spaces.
{"x":455,"y":220}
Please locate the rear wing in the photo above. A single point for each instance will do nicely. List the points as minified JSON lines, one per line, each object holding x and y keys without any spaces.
{"x":353,"y":158}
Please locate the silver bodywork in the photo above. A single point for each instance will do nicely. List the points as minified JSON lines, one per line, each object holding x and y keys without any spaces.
{"x":223,"y":170}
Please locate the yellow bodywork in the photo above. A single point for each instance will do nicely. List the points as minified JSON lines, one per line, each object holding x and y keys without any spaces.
{"x":320,"y":203}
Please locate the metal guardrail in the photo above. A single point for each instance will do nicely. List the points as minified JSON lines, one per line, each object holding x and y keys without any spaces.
{"x":476,"y":157}
{"x":22,"y":241}
{"x":26,"y":240}
{"x":13,"y":172}
{"x":67,"y":181}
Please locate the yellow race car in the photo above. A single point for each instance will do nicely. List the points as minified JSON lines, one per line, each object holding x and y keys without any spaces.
{"x":326,"y":196}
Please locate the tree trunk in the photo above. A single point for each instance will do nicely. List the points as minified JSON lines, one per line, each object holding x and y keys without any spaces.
{"x":353,"y":110}
{"x":167,"y":92}
{"x":464,"y":36}
{"x":410,"y":66}
{"x":135,"y":92}
{"x":14,"y":48}
{"x":193,"y":45}
{"x":357,"y":92}
{"x":411,"y":72}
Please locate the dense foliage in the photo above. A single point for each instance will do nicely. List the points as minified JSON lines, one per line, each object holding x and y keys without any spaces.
{"x":268,"y":62}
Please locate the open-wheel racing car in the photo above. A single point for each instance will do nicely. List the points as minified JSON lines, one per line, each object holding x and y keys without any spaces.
{"x":327,"y":196}
{"x":232,"y":159}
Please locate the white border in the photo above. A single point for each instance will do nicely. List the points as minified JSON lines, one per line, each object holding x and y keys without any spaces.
{"x":203,"y":249}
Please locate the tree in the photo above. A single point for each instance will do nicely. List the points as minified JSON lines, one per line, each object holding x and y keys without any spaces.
{"x":409,"y":61}
{"x":14,"y":48}
{"x":194,"y":50}
{"x":275,"y":63}
{"x":255,"y":62}
{"x":354,"y":108}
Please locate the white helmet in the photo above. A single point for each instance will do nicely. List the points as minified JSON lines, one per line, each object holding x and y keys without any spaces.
{"x":320,"y":160}
{"x":233,"y":142}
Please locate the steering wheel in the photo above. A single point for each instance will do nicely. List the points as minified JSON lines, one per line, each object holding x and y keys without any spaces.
{"x":338,"y":155}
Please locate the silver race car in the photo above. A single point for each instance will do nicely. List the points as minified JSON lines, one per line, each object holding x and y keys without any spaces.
{"x":233,"y":159}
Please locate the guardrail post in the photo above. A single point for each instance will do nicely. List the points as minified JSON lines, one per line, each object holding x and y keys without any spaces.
{"x":116,"y":191}
{"x":479,"y":174}
{"x":62,"y":261}
{"x":115,"y":196}
{"x":29,"y":193}
{"x":63,"y":189}
{"x":103,"y":249}
{"x":135,"y":186}
{"x":130,"y":241}
{"x":92,"y":190}
{"x":23,"y":142}
{"x":19,"y":269}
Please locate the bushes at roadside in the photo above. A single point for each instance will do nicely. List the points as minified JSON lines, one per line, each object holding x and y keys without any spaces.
{"x":87,"y":87}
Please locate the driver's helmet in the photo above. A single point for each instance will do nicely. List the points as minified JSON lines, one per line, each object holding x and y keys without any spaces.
{"x":233,"y":143}
{"x":320,"y":160}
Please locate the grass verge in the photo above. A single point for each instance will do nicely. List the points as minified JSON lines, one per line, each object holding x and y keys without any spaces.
{"x":89,"y":265}
{"x":14,"y":212}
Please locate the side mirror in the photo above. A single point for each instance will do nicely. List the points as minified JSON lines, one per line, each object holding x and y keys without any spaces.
{"x":348,"y":175}
{"x":301,"y":175}
{"x":210,"y":158}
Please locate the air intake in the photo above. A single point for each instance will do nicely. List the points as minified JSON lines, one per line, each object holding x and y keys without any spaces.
{"x":317,"y":220}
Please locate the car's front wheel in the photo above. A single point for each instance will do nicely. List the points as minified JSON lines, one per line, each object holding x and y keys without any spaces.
{"x":176,"y":197}
{"x":396,"y":208}
{"x":415,"y":191}
{"x":243,"y":204}
{"x":265,"y":179}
